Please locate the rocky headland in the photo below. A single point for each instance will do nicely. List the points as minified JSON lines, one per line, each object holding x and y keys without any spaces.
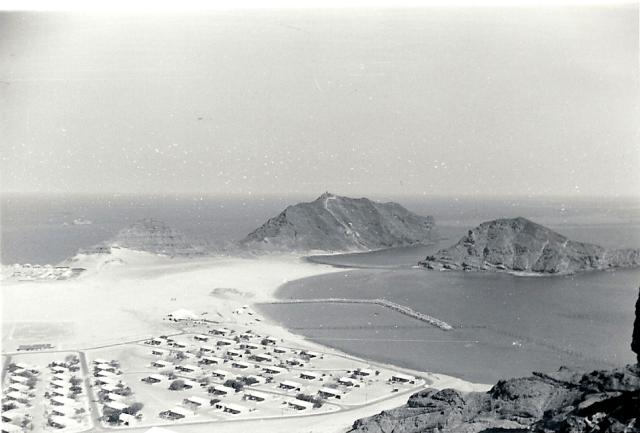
{"x":335,"y":223}
{"x":520,"y":245}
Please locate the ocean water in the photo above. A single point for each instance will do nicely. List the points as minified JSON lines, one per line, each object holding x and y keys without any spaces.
{"x":40,"y":229}
{"x":505,"y":326}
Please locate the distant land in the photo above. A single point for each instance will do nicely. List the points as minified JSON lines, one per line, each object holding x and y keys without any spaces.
{"x":520,"y":245}
{"x":335,"y":223}
{"x":152,"y":236}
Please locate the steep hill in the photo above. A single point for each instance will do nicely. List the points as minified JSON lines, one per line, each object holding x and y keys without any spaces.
{"x":523,"y":246}
{"x":151,"y":236}
{"x":335,"y":223}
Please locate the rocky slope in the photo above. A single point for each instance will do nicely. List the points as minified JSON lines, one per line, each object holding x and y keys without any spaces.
{"x":151,"y":236}
{"x":335,"y":223}
{"x":523,"y":246}
{"x":604,"y":401}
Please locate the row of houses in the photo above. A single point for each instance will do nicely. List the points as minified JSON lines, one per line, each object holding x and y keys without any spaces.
{"x":65,"y":389}
{"x":17,"y":397}
{"x":113,"y":393}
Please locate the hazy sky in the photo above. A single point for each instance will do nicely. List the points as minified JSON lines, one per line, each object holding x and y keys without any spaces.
{"x":532,"y":101}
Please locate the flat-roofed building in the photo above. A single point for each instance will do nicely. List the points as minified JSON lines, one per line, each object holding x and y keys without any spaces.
{"x":402,"y":378}
{"x":255,"y":395}
{"x":364,"y":372}
{"x":221,"y":390}
{"x":262,"y":357}
{"x":326,"y":392}
{"x":62,"y":401}
{"x":63,"y":411}
{"x":176,"y":412}
{"x":300,"y":404}
{"x":187,"y":368}
{"x":18,"y":379}
{"x":153,"y":378}
{"x":126,"y":419}
{"x":273,"y":370}
{"x":210,"y":360}
{"x":234,"y":353}
{"x":195,"y":401}
{"x":59,"y":422}
{"x":11,"y":428}
{"x":347,"y":381}
{"x":116,"y":406}
{"x":309,"y":353}
{"x":19,"y":387}
{"x":188,"y":384}
{"x":309,"y":375}
{"x":290,"y":385}
{"x":221,"y":374}
{"x":240,"y":364}
{"x":231,"y":408}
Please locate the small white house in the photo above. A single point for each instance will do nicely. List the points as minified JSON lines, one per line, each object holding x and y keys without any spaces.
{"x":240,"y":364}
{"x":325,"y":392}
{"x":300,"y":404}
{"x":254,"y":395}
{"x":347,"y":381}
{"x":273,"y":370}
{"x":364,"y":372}
{"x":196,"y":402}
{"x":309,"y":375}
{"x":402,"y":378}
{"x":221,"y":390}
{"x":290,"y":385}
{"x":230,"y":408}
{"x":209,"y":360}
{"x":221,"y":374}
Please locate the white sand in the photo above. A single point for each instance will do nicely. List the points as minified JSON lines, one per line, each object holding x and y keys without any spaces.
{"x":125,"y":296}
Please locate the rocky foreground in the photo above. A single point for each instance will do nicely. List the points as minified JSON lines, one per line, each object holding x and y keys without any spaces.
{"x":335,"y":223}
{"x":604,"y":401}
{"x":520,"y":245}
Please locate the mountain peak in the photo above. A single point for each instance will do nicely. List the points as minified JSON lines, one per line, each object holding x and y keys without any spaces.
{"x":337,"y":223}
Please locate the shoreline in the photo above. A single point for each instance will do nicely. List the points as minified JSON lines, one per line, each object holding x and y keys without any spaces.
{"x":80,"y":313}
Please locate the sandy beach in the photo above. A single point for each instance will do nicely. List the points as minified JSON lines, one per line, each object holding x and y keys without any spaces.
{"x":126,"y":296}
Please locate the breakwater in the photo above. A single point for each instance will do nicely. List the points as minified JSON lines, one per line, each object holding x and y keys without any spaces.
{"x":402,"y":309}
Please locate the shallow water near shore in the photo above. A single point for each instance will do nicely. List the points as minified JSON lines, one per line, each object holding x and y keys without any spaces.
{"x":505,"y":326}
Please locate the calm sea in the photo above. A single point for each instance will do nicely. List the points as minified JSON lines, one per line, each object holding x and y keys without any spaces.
{"x":40,"y":229}
{"x":505,"y":325}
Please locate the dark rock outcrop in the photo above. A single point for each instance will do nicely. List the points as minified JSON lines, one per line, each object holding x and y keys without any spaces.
{"x":520,"y":245}
{"x":635,"y":339}
{"x":335,"y":223}
{"x":603,"y":401}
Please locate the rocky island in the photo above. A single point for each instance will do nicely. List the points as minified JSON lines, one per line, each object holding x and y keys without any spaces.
{"x":335,"y":223}
{"x":520,"y":245}
{"x":605,"y":401}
